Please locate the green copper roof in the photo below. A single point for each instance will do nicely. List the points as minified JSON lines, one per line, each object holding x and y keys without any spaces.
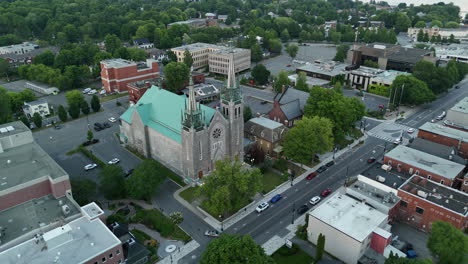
{"x":162,"y":111}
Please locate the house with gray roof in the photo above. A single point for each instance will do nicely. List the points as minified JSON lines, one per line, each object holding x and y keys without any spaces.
{"x":288,"y":106}
{"x":266,"y":133}
{"x":439,"y":150}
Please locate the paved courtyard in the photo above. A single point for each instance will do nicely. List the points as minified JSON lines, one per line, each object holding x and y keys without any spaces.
{"x":416,"y":237}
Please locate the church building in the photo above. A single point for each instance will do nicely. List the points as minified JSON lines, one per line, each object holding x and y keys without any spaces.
{"x":183,"y":135}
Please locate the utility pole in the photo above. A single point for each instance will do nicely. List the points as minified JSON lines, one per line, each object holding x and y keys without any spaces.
{"x":401,"y":95}
{"x":293,"y":210}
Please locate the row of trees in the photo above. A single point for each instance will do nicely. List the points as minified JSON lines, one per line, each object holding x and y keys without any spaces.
{"x":424,"y":37}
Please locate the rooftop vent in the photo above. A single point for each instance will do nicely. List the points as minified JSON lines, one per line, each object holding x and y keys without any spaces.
{"x":65,"y":209}
{"x":422,"y":194}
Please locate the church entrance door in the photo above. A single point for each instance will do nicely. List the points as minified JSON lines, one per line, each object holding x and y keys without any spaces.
{"x":200,"y":175}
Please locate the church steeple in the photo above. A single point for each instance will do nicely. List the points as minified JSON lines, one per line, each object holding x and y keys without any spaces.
{"x":231,"y":92}
{"x":192,"y":117}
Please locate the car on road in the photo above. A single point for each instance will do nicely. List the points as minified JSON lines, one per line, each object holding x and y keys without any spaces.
{"x":276,"y":198}
{"x":397,"y":141}
{"x":302,"y":209}
{"x":85,"y":91}
{"x":98,"y":126}
{"x":371,"y":160}
{"x":128,"y":173}
{"x":212,"y":233}
{"x":92,"y":92}
{"x":113,"y":161}
{"x":112,"y":120}
{"x":441,"y":116}
{"x":325,"y":192}
{"x":330,"y":163}
{"x":106,"y":125}
{"x":456,"y":86}
{"x":314,"y":200}
{"x":312,"y":175}
{"x":410,"y":130}
{"x":262,"y":207}
{"x":57,"y":127}
{"x":289,"y":65}
{"x":321,"y":169}
{"x":90,"y":166}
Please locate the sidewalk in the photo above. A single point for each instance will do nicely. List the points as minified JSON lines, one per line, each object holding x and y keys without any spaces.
{"x":251,"y":207}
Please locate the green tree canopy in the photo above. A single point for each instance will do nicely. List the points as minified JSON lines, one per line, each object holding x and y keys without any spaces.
{"x":260,"y":74}
{"x":256,"y":53}
{"x":37,"y":119}
{"x":308,"y":137}
{"x":247,"y":113}
{"x":84,"y":107}
{"x":447,"y":243}
{"x":415,"y":92}
{"x":292,"y":50}
{"x":341,"y":52}
{"x":74,"y":97}
{"x":281,"y":81}
{"x":420,"y":24}
{"x":5,"y":68}
{"x":83,"y":191}
{"x":18,"y":99}
{"x":62,"y":113}
{"x":145,"y":180}
{"x":435,"y":77}
{"x":112,"y":182}
{"x":5,"y":106}
{"x":437,"y":23}
{"x":47,"y":58}
{"x":177,"y":75}
{"x":301,"y":82}
{"x":275,"y":46}
{"x":188,"y":60}
{"x":74,"y":110}
{"x":394,"y":259}
{"x":230,"y":186}
{"x":112,"y":43}
{"x":95,"y":103}
{"x":235,"y":249}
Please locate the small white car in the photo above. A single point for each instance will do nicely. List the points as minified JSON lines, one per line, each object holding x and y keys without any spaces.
{"x":85,"y":91}
{"x":113,"y":161}
{"x":262,"y":207}
{"x":92,"y":92}
{"x":102,"y":92}
{"x":397,"y":141}
{"x":112,"y":120}
{"x":410,"y":130}
{"x":314,"y":200}
{"x":212,"y":233}
{"x":90,"y":166}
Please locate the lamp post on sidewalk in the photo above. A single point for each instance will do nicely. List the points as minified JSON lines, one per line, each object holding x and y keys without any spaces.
{"x":222,"y":226}
{"x":293,"y":210}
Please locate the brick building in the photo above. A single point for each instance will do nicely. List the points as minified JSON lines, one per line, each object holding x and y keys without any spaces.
{"x":446,"y":136}
{"x":267,"y":133}
{"x":137,"y":89}
{"x":424,"y":201}
{"x":117,"y":73}
{"x":457,"y":116}
{"x":288,"y":106}
{"x":413,"y":161}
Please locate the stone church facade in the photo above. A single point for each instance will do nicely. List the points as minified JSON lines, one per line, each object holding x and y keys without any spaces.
{"x":183,"y":135}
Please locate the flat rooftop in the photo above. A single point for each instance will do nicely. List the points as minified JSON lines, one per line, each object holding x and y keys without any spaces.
{"x":311,"y":81}
{"x":366,"y":71}
{"x":226,"y":50}
{"x":80,"y":240}
{"x":441,"y":195}
{"x":32,"y":215}
{"x":326,"y":68}
{"x":118,"y":63}
{"x":349,"y":216}
{"x":445,"y":131}
{"x":461,"y":106}
{"x":11,"y":129}
{"x":392,"y":178}
{"x":25,"y":163}
{"x":425,"y":161}
{"x":371,"y":192}
{"x":388,"y":76}
{"x":265,"y":122}
{"x":436,"y":149}
{"x":197,"y":46}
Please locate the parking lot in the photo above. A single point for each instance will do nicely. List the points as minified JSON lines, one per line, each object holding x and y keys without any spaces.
{"x":58,"y":142}
{"x":411,"y":235}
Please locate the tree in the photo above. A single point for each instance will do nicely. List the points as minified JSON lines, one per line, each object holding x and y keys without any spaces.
{"x":437,"y":23}
{"x":420,"y":36}
{"x":145,"y":180}
{"x":62,"y":113}
{"x":256,"y":53}
{"x":247,"y":113}
{"x":394,"y":259}
{"x":74,"y":110}
{"x":285,"y":35}
{"x":282,"y":81}
{"x":402,"y":22}
{"x":260,"y":74}
{"x":90,"y":135}
{"x":372,"y":64}
{"x":338,"y":88}
{"x":452,"y":71}
{"x":37,"y":119}
{"x":341,"y":52}
{"x":112,"y":43}
{"x":177,"y":75}
{"x":447,"y":243}
{"x":84,"y":108}
{"x":235,"y":249}
{"x":292,"y":50}
{"x":17,"y":99}
{"x":435,"y":77}
{"x":47,"y":58}
{"x":320,"y":247}
{"x":409,"y":90}
{"x":83,"y":191}
{"x":5,"y":106}
{"x":275,"y":46}
{"x":342,"y":111}
{"x":176,"y":217}
{"x":188,"y":60}
{"x":136,"y":54}
{"x":308,"y":137}
{"x":5,"y":68}
{"x":74,"y":97}
{"x":230,"y":186}
{"x":301,"y":82}
{"x":420,"y":24}
{"x":112,"y":182}
{"x":95,"y":103}
{"x":452,"y":24}
{"x":25,"y":121}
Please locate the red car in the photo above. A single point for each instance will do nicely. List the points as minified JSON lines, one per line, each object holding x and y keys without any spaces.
{"x":325,"y":192}
{"x":312,"y":175}
{"x":289,"y":65}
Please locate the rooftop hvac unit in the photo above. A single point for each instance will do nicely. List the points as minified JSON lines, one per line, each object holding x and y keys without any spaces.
{"x":422,"y":194}
{"x":386,"y":167}
{"x":65,"y":209}
{"x":380,"y":178}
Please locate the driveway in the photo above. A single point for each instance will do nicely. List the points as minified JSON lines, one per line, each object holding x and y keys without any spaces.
{"x":416,"y":237}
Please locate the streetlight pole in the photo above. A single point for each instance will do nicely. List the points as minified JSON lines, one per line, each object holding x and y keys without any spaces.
{"x":222,"y":226}
{"x":399,"y":102}
{"x":293,"y":210}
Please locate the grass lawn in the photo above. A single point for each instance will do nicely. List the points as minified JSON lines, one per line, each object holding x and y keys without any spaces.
{"x":189,"y":194}
{"x":300,"y":257}
{"x":140,"y":235}
{"x":270,"y":180}
{"x":112,"y":97}
{"x":204,"y":206}
{"x":156,"y":220}
{"x":356,"y":133}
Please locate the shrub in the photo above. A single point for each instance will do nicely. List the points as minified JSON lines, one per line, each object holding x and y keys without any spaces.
{"x":281,"y":165}
{"x":285,"y":251}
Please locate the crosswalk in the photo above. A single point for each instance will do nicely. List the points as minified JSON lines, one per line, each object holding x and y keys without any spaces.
{"x":389,"y":131}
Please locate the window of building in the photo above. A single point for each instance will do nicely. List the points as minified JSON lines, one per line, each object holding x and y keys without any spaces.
{"x":417,"y":172}
{"x":429,"y":177}
{"x":403,"y":204}
{"x":201,"y":150}
{"x":118,"y":251}
{"x":442,"y":181}
{"x":104,"y":259}
{"x":465,"y":183}
{"x":419,"y":210}
{"x":111,"y":256}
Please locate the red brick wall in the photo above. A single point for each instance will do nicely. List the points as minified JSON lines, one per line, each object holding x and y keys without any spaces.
{"x":431,"y":213}
{"x":379,"y":243}
{"x":404,"y":167}
{"x":276,"y":113}
{"x":462,"y":151}
{"x":134,"y":94}
{"x":114,"y":260}
{"x":34,"y":191}
{"x":59,"y":188}
{"x":115,"y":74}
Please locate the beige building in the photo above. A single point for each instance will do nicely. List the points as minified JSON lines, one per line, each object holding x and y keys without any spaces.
{"x":217,"y":57}
{"x":219,"y":60}
{"x":458,"y":33}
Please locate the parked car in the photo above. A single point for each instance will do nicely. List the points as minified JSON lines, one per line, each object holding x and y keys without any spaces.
{"x":276,"y":198}
{"x":262,"y":207}
{"x":397,"y":141}
{"x":106,"y":125}
{"x":92,"y":92}
{"x":102,"y":92}
{"x":325,"y":192}
{"x":302,"y":209}
{"x":113,"y":161}
{"x":112,"y":120}
{"x":90,"y":166}
{"x":330,"y":163}
{"x":289,"y":65}
{"x":314,"y":200}
{"x":312,"y":175}
{"x":410,"y":130}
{"x":371,"y":160}
{"x":321,"y":169}
{"x":212,"y":233}
{"x":57,"y":127}
{"x":85,"y":91}
{"x":128,"y":173}
{"x":441,"y":116}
